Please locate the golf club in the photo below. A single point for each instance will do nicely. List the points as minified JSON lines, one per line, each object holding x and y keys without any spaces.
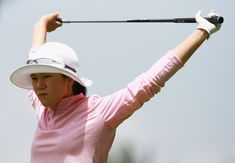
{"x":214,"y":20}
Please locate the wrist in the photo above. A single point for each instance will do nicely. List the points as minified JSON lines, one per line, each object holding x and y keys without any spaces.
{"x":40,"y":24}
{"x":203,"y":33}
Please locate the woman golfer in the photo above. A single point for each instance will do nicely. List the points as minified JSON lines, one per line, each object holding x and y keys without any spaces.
{"x":73,"y":127}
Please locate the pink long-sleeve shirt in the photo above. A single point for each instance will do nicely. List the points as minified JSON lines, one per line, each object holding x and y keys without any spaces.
{"x":83,"y":128}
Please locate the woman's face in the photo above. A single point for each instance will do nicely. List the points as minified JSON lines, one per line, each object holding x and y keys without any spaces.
{"x":51,"y":88}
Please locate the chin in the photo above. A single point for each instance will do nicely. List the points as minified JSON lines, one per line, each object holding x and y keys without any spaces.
{"x":45,"y":103}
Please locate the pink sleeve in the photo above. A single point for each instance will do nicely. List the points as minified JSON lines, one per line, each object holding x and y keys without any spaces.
{"x":117,"y":107}
{"x":38,"y":107}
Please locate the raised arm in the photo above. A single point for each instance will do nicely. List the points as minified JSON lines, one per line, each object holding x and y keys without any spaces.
{"x":46,"y":24}
{"x":185,"y":49}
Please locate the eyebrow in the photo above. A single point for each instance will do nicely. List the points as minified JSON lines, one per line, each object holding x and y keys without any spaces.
{"x":32,"y":75}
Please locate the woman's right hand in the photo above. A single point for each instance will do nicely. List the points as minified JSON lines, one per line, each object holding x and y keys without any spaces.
{"x":50,"y":21}
{"x":46,"y":23}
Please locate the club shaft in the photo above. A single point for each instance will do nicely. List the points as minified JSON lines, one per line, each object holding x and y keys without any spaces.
{"x":214,"y":20}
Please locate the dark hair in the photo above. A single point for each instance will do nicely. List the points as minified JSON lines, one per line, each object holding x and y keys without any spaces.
{"x":77,"y":87}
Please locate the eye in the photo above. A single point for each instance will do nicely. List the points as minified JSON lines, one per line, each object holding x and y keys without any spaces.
{"x":34,"y":78}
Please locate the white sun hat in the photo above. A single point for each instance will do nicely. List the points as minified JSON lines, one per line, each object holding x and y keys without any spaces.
{"x":51,"y":57}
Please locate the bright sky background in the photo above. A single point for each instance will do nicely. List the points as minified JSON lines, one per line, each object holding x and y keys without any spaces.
{"x":190,"y":121}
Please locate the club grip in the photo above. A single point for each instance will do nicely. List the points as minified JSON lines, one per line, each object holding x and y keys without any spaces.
{"x":214,"y":20}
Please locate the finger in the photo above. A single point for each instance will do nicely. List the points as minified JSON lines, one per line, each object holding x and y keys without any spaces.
{"x":198,"y":16}
{"x":58,"y":19}
{"x":213,"y":13}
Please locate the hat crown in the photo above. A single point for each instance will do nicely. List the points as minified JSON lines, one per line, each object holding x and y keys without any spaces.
{"x":57,"y":52}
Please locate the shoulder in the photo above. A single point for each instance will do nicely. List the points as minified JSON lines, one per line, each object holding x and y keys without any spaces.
{"x":94,"y":100}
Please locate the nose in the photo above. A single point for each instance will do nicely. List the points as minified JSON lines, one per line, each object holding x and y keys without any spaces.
{"x":40,"y":84}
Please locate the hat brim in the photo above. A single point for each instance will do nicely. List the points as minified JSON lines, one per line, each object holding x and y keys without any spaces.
{"x":21,"y":77}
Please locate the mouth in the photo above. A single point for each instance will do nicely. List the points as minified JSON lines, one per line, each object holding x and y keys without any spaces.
{"x":42,"y":94}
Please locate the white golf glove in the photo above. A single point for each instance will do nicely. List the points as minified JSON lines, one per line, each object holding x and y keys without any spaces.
{"x":205,"y":24}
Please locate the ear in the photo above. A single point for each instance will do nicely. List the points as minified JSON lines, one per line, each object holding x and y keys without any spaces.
{"x":70,"y":82}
